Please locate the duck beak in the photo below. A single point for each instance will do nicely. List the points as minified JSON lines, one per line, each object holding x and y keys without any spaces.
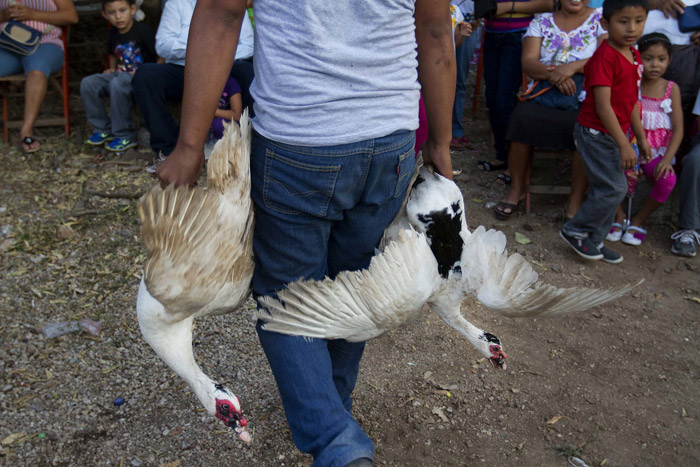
{"x":499,"y":361}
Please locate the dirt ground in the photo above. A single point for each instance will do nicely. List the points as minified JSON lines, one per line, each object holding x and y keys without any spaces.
{"x":614,"y":386}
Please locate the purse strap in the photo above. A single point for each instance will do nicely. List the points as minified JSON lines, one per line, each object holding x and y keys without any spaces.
{"x":528,"y":94}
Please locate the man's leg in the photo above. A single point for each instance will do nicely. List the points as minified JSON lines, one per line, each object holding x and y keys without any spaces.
{"x":464,"y":58}
{"x":689,"y":188}
{"x":299,"y":193}
{"x":154,"y":85}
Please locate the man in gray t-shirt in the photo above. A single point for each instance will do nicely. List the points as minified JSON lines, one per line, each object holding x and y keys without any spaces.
{"x":336,"y":108}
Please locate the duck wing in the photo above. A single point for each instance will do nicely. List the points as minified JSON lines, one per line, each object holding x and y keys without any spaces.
{"x":358,"y":305}
{"x":193,"y":251}
{"x":508,"y":285}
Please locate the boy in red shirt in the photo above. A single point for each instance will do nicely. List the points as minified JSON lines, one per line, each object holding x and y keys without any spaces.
{"x":612,"y":77}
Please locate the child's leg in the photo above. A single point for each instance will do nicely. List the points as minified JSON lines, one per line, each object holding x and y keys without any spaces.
{"x":659,"y":193}
{"x":120,"y":98}
{"x":607,"y":182}
{"x":93,"y":89}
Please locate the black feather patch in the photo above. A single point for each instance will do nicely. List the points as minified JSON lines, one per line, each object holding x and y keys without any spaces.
{"x":488,"y":337}
{"x":442,"y":228}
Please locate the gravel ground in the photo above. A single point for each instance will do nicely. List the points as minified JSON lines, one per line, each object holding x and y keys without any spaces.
{"x":614,"y":386}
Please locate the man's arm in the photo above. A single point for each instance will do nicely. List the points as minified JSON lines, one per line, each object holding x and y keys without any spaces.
{"x":437,"y":75}
{"x":213,"y":39}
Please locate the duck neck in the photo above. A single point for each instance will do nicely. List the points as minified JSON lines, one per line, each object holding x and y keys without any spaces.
{"x":448,"y":308}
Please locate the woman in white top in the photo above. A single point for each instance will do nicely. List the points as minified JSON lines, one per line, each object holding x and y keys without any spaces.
{"x":556,"y":47}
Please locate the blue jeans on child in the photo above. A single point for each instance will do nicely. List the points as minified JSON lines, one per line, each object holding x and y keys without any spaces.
{"x":320,"y":211}
{"x":606,"y":181}
{"x":503,"y":77}
{"x":116,"y":86}
{"x":465,"y":52}
{"x":48,"y":58}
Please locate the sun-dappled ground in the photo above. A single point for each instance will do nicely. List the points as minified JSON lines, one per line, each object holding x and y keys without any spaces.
{"x":614,"y":386}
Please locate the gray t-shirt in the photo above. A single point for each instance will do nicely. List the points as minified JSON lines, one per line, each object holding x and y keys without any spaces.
{"x":334,"y":72}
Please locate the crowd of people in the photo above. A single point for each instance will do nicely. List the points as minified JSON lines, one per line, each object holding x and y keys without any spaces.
{"x":345,"y":93}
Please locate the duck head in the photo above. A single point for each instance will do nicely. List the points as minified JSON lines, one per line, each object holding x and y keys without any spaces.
{"x":228,"y":410}
{"x":494,"y":352}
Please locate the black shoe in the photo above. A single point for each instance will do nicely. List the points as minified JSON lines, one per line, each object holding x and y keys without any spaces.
{"x":583,"y":246}
{"x":610,"y":256}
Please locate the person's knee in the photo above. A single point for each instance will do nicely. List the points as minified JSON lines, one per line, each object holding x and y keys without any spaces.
{"x":88,"y":85}
{"x":119,"y":87}
{"x":146,"y":77}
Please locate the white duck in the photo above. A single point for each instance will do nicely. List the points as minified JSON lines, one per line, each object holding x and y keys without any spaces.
{"x":403,"y":276}
{"x":200,"y":262}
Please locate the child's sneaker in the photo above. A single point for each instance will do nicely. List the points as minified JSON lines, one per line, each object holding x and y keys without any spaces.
{"x":684,"y":244}
{"x":634,"y":235}
{"x":99,"y":138}
{"x":121,"y":144}
{"x":610,"y":256}
{"x":583,"y":246}
{"x":617,"y":230}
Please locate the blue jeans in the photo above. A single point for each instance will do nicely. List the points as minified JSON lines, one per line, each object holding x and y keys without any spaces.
{"x":116,"y":86}
{"x":465,"y":52}
{"x":503,"y":77}
{"x":320,"y":211}
{"x":48,"y":58}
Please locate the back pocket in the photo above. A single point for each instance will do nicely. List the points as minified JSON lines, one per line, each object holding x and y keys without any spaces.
{"x":294,"y":187}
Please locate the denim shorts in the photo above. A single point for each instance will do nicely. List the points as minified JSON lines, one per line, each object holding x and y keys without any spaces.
{"x":48,"y":59}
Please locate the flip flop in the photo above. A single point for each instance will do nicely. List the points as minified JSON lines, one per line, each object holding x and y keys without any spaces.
{"x":504,"y":210}
{"x":28,"y":140}
{"x":504,"y":179}
{"x":487,"y":166}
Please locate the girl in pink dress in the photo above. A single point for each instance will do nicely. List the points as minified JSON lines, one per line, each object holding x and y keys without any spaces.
{"x":662,"y":119}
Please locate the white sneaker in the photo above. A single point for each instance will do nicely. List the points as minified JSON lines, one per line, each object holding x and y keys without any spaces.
{"x":634,"y":236}
{"x":617,"y":230}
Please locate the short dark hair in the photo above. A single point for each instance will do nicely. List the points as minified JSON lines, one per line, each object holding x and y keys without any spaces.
{"x":105,"y":2}
{"x":654,"y":38}
{"x":612,"y":6}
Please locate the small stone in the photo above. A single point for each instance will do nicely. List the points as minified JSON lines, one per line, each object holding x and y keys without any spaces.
{"x":597,"y":315}
{"x":555,"y":267}
{"x":136,"y":462}
{"x":118,"y":401}
{"x":668,"y":270}
{"x":52,"y":436}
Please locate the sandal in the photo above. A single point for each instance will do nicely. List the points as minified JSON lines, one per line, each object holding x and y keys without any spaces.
{"x":461,"y":143}
{"x":487,"y":166}
{"x":504,"y":210}
{"x":28,"y":140}
{"x":504,"y":179}
{"x":617,"y":230}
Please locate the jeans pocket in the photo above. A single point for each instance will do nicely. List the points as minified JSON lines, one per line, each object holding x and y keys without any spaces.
{"x":294,"y":187}
{"x":404,"y":172}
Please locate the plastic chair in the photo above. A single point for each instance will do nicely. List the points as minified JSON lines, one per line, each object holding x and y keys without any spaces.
{"x":61,"y":86}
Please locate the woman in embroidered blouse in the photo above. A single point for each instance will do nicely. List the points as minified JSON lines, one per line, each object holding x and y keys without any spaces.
{"x":44,"y":16}
{"x":556,"y":46}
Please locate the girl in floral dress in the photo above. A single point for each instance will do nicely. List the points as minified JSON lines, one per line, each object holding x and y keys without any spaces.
{"x":662,"y":119}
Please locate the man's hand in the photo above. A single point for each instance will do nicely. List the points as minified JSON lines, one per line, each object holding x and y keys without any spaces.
{"x":439,"y":158}
{"x":465,"y":29}
{"x":181,"y":167}
{"x":695,"y":38}
{"x":628,"y":157}
{"x":668,"y":7}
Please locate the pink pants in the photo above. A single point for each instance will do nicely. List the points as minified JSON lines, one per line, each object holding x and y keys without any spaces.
{"x":662,"y":187}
